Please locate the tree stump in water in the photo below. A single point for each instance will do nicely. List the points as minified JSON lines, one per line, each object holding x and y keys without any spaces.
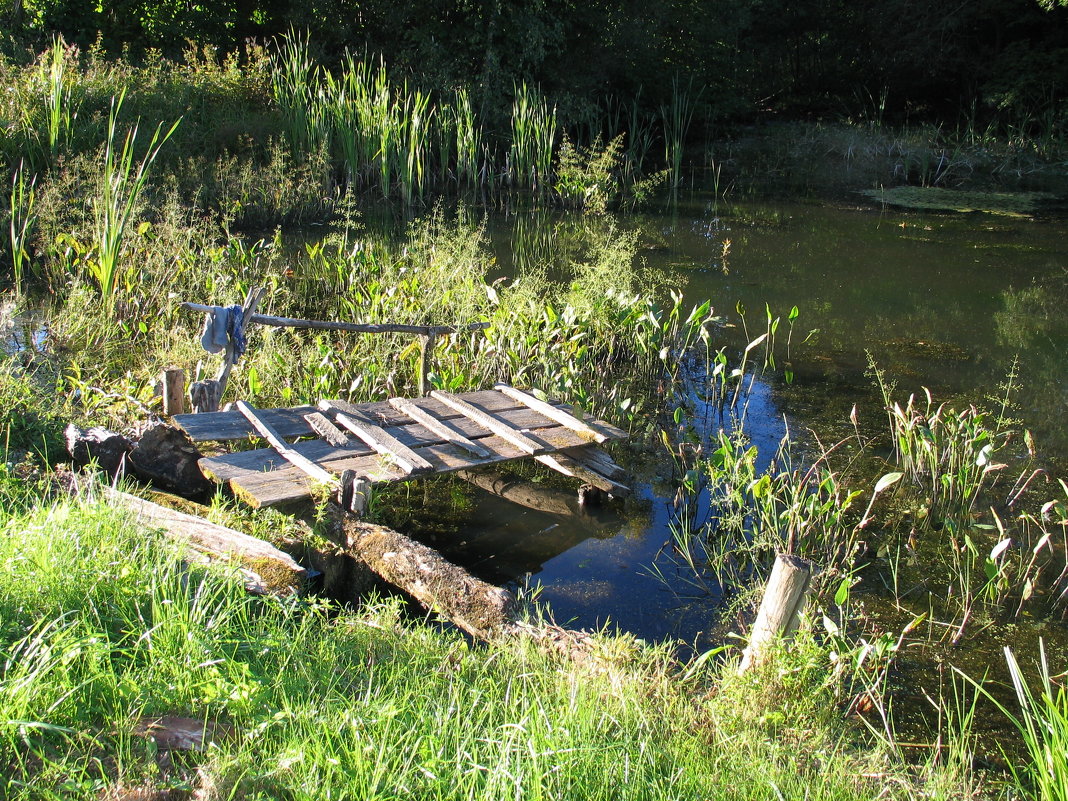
{"x":780,"y":611}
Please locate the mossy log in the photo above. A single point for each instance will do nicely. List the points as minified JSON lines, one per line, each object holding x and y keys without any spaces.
{"x":266,"y":569}
{"x":479,"y":608}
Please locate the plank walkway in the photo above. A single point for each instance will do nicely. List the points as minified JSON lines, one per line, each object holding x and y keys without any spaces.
{"x":397,"y":440}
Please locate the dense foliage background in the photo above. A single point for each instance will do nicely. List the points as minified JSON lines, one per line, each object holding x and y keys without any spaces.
{"x":1003,"y":61}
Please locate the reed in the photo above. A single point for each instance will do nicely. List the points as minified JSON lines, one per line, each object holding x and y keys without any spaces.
{"x":115,"y":205}
{"x":468,"y":139}
{"x":61,"y":110}
{"x":533,"y":138}
{"x":23,"y":220}
{"x":675,"y":119}
{"x":416,"y":117}
{"x":295,"y":91}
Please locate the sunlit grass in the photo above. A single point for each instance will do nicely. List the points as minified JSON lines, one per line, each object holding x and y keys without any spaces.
{"x":103,"y":625}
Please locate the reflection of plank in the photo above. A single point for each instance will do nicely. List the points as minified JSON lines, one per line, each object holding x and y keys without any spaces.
{"x":552,"y":412}
{"x":379,"y":439}
{"x":287,"y":453}
{"x":436,"y":426}
{"x":570,"y":467}
{"x":489,"y":421}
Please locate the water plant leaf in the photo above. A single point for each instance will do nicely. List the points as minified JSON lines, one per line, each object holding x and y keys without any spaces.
{"x":886,"y":481}
{"x":842,"y":595}
{"x":1000,"y":548}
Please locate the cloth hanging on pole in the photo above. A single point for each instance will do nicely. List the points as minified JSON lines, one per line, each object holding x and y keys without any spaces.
{"x":225,"y":325}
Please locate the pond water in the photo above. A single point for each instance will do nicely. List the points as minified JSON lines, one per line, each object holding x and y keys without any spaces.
{"x":944,"y":301}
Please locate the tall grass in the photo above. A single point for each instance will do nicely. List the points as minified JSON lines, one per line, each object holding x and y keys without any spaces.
{"x":1043,"y":725}
{"x":533,"y":137}
{"x":22,"y":222}
{"x":116,"y":203}
{"x":104,"y":628}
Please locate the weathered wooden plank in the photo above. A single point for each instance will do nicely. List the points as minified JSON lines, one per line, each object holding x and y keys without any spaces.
{"x":287,"y":453}
{"x":495,"y":424}
{"x":290,"y":423}
{"x":570,"y":467}
{"x":553,"y":413}
{"x":327,"y":430}
{"x":225,"y":426}
{"x":383,"y":443}
{"x":438,"y":427}
{"x":596,"y":459}
{"x":225,"y":466}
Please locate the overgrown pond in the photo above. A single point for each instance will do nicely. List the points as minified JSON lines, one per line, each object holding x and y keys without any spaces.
{"x":950,"y":302}
{"x":943,"y":301}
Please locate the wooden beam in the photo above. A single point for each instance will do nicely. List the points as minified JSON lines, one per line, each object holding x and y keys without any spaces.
{"x":266,"y":569}
{"x":287,"y":453}
{"x":359,"y":328}
{"x":488,"y":421}
{"x":552,"y":412}
{"x":478,"y":608}
{"x":381,"y":441}
{"x":439,"y":427}
{"x":596,"y":459}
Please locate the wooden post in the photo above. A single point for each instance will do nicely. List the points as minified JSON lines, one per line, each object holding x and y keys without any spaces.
{"x":779,"y":615}
{"x":173,"y":391}
{"x":426,"y":351}
{"x":205,"y":396}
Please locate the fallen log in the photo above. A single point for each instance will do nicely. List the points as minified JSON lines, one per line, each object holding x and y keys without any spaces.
{"x":266,"y":569}
{"x":479,"y":608}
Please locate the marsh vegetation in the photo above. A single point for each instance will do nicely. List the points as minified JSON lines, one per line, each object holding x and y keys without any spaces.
{"x":351,"y":190}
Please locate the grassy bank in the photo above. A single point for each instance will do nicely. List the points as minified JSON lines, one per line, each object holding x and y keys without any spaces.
{"x":104,"y":626}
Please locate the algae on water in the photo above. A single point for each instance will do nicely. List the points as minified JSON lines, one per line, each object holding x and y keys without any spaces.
{"x":1016,"y":204}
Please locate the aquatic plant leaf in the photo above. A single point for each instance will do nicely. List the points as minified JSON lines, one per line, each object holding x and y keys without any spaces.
{"x":886,"y":481}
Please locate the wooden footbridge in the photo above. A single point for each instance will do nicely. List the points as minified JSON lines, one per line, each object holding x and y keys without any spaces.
{"x":349,"y":448}
{"x":340,"y":443}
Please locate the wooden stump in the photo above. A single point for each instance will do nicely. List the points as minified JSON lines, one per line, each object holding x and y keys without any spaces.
{"x":173,"y":391}
{"x":780,"y":611}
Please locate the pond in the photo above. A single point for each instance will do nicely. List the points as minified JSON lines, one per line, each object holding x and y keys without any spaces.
{"x":945,"y":301}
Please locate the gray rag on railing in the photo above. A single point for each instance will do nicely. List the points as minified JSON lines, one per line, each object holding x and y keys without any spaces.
{"x":225,"y":325}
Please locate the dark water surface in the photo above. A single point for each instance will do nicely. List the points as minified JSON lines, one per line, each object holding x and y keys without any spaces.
{"x":944,"y":301}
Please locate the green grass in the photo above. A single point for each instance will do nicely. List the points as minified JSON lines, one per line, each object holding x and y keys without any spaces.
{"x":103,"y":624}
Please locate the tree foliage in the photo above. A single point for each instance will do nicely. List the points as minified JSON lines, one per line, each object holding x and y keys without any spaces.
{"x":938,"y":60}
